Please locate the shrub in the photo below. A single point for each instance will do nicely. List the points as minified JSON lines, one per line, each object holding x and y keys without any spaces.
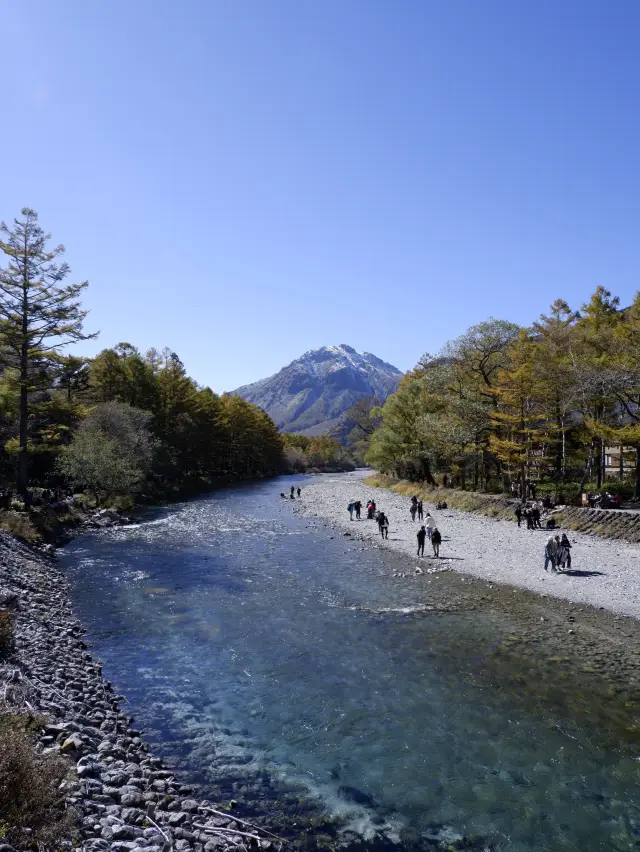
{"x":29,"y":789}
{"x":20,"y":525}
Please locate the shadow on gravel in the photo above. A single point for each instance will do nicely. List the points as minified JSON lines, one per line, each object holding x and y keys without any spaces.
{"x":576,"y":573}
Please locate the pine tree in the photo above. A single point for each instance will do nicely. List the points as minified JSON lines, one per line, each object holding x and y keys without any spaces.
{"x":39,"y":315}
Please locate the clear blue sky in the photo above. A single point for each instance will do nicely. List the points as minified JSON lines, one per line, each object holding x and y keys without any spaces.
{"x":243,"y":181}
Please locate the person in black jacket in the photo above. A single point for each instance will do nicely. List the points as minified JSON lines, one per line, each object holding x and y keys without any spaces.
{"x":436,"y":540}
{"x":422,"y":534}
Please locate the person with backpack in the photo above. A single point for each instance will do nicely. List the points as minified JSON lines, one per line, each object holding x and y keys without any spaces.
{"x":564,"y":553}
{"x":436,"y":541}
{"x":422,"y":534}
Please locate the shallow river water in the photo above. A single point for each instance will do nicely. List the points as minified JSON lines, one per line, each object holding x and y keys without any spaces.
{"x":276,"y":662}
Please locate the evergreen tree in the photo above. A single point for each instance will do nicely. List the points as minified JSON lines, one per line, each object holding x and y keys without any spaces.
{"x":39,"y":315}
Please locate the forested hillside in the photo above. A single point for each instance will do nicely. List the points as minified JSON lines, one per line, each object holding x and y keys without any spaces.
{"x":502,"y":407}
{"x":120,"y":423}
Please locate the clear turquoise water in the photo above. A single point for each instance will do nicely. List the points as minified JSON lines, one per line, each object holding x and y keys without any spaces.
{"x":258,"y":652}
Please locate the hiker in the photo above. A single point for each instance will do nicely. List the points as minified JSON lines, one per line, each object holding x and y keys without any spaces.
{"x":350,"y":509}
{"x":414,"y":501}
{"x":518,"y":514}
{"x":299,"y":492}
{"x":564,"y":552}
{"x":383,"y":525}
{"x":422,"y":534}
{"x":357,"y":506}
{"x":420,"y":510}
{"x":292,"y":490}
{"x":436,"y":540}
{"x":413,"y":509}
{"x":535,"y":516}
{"x":528,"y":517}
{"x":550,"y":553}
{"x":431,"y":525}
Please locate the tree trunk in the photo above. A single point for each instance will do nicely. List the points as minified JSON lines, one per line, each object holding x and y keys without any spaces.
{"x":621,"y":465}
{"x":22,"y":483}
{"x":598,"y":465}
{"x":636,"y":490}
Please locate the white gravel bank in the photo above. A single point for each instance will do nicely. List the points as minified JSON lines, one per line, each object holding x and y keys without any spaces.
{"x":492,"y":549}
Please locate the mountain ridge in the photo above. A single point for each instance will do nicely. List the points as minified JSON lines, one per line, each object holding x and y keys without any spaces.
{"x":310,"y":395}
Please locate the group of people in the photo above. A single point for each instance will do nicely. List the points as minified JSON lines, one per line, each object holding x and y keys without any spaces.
{"x":428,"y":529}
{"x":557,"y":553}
{"x":292,"y":494}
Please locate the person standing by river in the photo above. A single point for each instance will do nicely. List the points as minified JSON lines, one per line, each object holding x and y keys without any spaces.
{"x":422,"y":534}
{"x":436,"y":541}
{"x":357,"y":506}
{"x":293,"y":488}
{"x":413,"y":509}
{"x":350,"y":509}
{"x":299,"y":491}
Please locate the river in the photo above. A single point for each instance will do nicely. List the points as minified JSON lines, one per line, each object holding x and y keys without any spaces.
{"x":280,"y":664}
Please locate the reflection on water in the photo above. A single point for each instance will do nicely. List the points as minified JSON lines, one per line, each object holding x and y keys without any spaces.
{"x":261,"y":655}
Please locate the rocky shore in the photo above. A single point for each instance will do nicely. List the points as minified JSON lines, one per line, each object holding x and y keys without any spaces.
{"x":123,"y":798}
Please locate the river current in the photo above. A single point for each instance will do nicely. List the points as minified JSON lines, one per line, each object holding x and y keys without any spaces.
{"x":276,"y":662}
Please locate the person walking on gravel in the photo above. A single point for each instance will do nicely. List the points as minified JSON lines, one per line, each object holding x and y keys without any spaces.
{"x":350,"y":509}
{"x":518,"y":514}
{"x":564,"y":553}
{"x":422,"y":534}
{"x":413,"y":509}
{"x":436,"y":541}
{"x":357,"y":506}
{"x":420,"y":510}
{"x":550,"y":553}
{"x":430,"y":524}
{"x":383,"y":525}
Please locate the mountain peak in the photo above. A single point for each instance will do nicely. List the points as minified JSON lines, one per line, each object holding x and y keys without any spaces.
{"x":311,"y":393}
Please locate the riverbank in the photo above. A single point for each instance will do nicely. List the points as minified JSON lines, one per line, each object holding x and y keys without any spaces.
{"x":582,"y":626}
{"x":605,"y":573}
{"x":120,"y":796}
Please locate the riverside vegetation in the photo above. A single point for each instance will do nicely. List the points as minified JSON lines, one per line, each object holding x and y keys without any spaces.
{"x":502,"y":407}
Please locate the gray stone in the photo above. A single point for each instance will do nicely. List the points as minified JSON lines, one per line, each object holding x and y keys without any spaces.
{"x":131,"y":800}
{"x":122,"y":832}
{"x":190,"y":806}
{"x":177,"y":818}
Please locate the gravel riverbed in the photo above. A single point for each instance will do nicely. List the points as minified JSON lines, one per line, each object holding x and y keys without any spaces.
{"x":605,"y":573}
{"x":123,"y":797}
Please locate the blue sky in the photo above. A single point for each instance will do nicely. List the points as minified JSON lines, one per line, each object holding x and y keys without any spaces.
{"x":243,"y":181}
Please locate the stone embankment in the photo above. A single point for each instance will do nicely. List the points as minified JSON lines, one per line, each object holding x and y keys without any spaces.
{"x":124,"y":798}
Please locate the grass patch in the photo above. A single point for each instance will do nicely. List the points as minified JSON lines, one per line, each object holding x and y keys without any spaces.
{"x":30,"y":797}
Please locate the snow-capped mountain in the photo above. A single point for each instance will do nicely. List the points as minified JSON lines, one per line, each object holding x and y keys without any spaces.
{"x":312,"y":392}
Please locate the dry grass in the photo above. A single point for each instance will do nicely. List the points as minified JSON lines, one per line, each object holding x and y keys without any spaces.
{"x":20,"y":525}
{"x":29,"y":789}
{"x":6,"y":633}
